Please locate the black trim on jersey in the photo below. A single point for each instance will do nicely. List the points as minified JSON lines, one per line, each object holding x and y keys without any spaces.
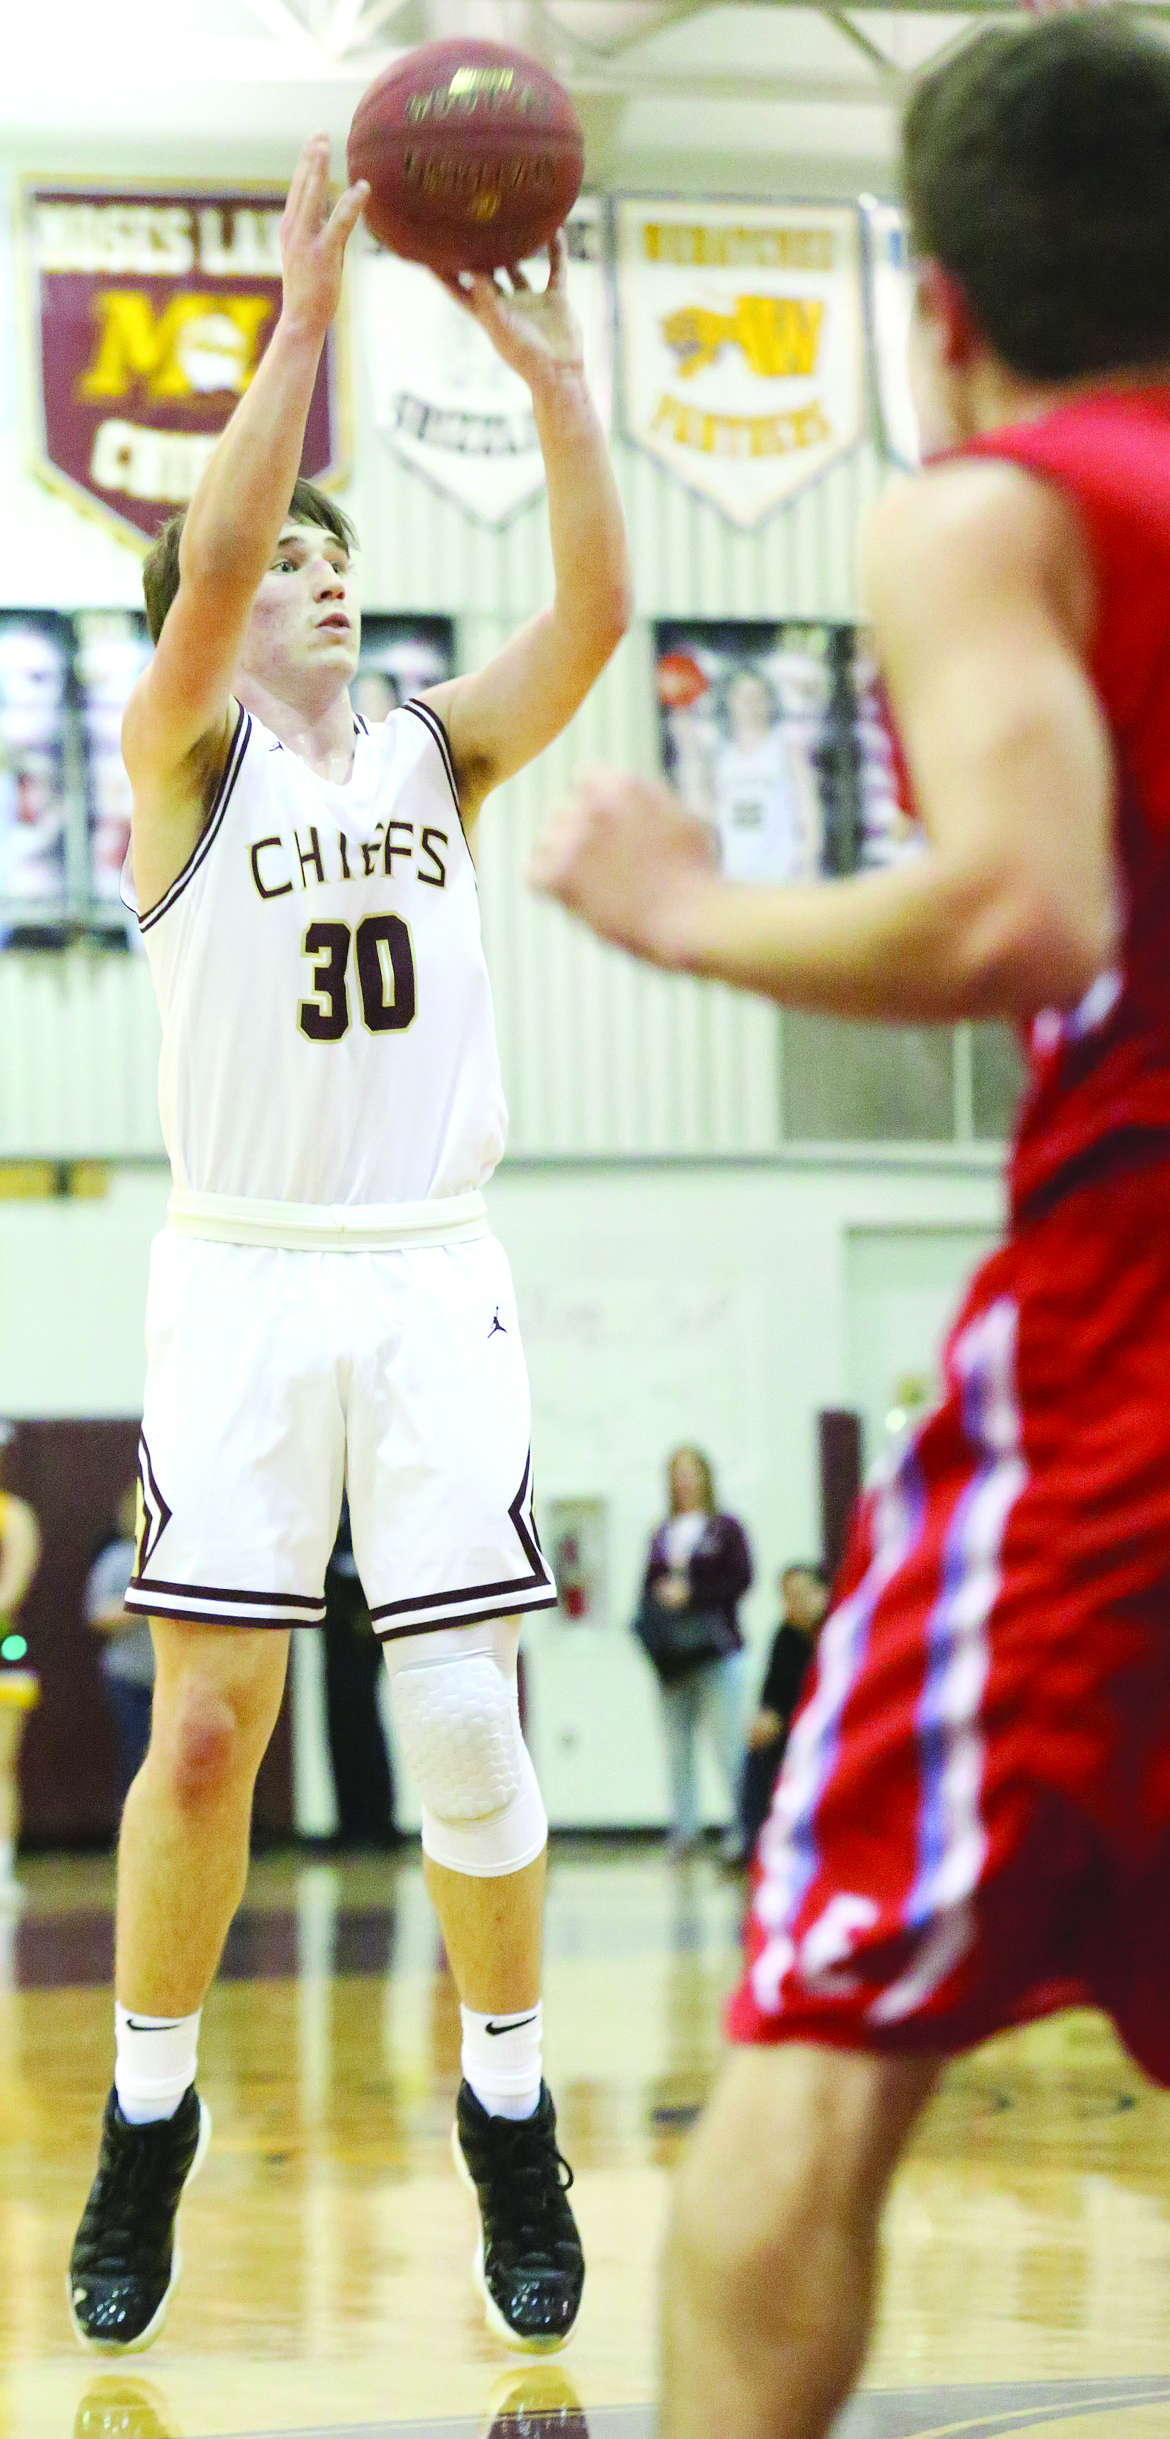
{"x":189,"y":1613}
{"x":513,"y":1587}
{"x":431,"y":720}
{"x":467,"y":1617}
{"x":360,"y":725}
{"x":241,"y":735}
{"x":219,"y":1592}
{"x":156,"y":1515}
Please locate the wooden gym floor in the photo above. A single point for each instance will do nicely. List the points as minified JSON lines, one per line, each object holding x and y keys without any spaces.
{"x":328,"y":2242}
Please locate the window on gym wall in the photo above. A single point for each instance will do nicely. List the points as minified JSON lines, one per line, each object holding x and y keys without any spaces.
{"x":916,"y":1084}
{"x":866,"y":1083}
{"x":997,"y":1081}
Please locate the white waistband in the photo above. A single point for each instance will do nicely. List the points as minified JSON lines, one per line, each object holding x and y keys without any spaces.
{"x":230,"y":1219}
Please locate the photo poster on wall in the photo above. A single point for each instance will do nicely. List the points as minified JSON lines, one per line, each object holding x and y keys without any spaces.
{"x":64,"y":793}
{"x":38,"y":773}
{"x":112,"y":649}
{"x":774,"y":735}
{"x":401,"y":655}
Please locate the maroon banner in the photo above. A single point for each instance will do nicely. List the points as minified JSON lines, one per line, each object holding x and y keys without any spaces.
{"x":150,"y":314}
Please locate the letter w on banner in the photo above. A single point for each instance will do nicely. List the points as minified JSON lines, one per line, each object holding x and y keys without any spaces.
{"x":741,"y":344}
{"x":442,"y":398}
{"x":150,"y":313}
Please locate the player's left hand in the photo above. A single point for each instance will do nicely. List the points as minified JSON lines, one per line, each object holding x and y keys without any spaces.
{"x":628,"y":858}
{"x":534,"y":329}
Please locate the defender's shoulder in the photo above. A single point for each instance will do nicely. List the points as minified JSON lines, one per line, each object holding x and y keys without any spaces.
{"x":969,"y":533}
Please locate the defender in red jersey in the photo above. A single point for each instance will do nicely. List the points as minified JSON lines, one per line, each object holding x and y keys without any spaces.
{"x":973,"y":1822}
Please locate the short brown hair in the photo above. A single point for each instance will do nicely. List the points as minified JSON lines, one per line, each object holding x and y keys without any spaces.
{"x":309,"y":505}
{"x":1036,"y":169}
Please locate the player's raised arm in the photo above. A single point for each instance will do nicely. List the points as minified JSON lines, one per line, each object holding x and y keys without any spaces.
{"x":177,"y":715}
{"x":982,"y":600}
{"x":500,"y":716}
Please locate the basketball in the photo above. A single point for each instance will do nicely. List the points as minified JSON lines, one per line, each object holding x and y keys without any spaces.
{"x":473,"y":152}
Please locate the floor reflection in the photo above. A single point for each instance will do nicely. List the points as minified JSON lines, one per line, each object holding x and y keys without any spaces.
{"x":118,"y":2407}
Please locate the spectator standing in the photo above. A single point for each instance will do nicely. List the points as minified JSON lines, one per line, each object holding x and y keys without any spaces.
{"x":353,"y":1670}
{"x":20,"y":1556}
{"x":804,"y":1596}
{"x":127,"y":1661}
{"x":698,"y":1570}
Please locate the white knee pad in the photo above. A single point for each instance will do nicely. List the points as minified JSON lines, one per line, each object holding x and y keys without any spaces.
{"x":458,"y":1719}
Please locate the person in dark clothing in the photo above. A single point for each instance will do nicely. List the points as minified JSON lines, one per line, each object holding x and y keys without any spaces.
{"x":353,"y":1670}
{"x":804,"y":1595}
{"x":699,"y":1563}
{"x":127,"y":1659}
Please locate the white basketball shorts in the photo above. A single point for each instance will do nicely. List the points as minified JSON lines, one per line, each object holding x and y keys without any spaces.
{"x":276,"y":1375}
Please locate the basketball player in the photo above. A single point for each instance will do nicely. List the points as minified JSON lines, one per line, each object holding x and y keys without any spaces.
{"x":973,"y":1822}
{"x":327,"y":1305}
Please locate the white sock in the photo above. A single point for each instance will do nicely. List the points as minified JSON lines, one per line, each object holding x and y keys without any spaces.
{"x":501,"y":2060}
{"x":156,"y":2059}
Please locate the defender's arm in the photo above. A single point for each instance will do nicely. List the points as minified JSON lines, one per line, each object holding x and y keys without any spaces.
{"x":500,"y":717}
{"x":981,"y":592}
{"x":177,"y":724}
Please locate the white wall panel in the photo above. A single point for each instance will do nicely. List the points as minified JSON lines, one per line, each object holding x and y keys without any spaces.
{"x":78,"y":1057}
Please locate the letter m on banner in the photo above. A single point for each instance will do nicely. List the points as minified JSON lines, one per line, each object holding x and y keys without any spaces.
{"x":148,"y":315}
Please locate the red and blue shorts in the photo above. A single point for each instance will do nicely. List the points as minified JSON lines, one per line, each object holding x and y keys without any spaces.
{"x":972,"y":1827}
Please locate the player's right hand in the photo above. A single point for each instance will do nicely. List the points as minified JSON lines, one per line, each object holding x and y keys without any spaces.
{"x":313,"y":238}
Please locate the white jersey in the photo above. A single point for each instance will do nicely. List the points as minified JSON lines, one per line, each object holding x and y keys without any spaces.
{"x":757,"y":812}
{"x":328,"y":1035}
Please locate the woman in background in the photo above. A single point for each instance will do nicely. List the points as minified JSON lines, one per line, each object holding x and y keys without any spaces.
{"x":698,"y":1570}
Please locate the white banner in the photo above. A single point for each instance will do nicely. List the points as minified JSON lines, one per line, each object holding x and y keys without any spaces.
{"x":441,"y":397}
{"x":891,"y":295}
{"x":741,"y":344}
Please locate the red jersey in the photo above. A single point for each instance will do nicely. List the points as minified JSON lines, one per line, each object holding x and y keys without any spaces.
{"x":1102,"y":1070}
{"x":972,"y":1825}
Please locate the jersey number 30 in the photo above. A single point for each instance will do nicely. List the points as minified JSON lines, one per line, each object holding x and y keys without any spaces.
{"x":385,"y":972}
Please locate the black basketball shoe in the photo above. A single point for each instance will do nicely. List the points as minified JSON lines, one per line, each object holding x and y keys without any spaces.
{"x":528,"y":2263}
{"x":125,"y":2262}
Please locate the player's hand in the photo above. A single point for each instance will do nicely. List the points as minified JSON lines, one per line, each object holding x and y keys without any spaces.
{"x":628,"y":858}
{"x":534,"y":330}
{"x":313,"y":238}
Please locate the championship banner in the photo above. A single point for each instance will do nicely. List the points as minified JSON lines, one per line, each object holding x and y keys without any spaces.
{"x":740,"y":344}
{"x":443,"y":400}
{"x":149,"y":314}
{"x":890,"y":295}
